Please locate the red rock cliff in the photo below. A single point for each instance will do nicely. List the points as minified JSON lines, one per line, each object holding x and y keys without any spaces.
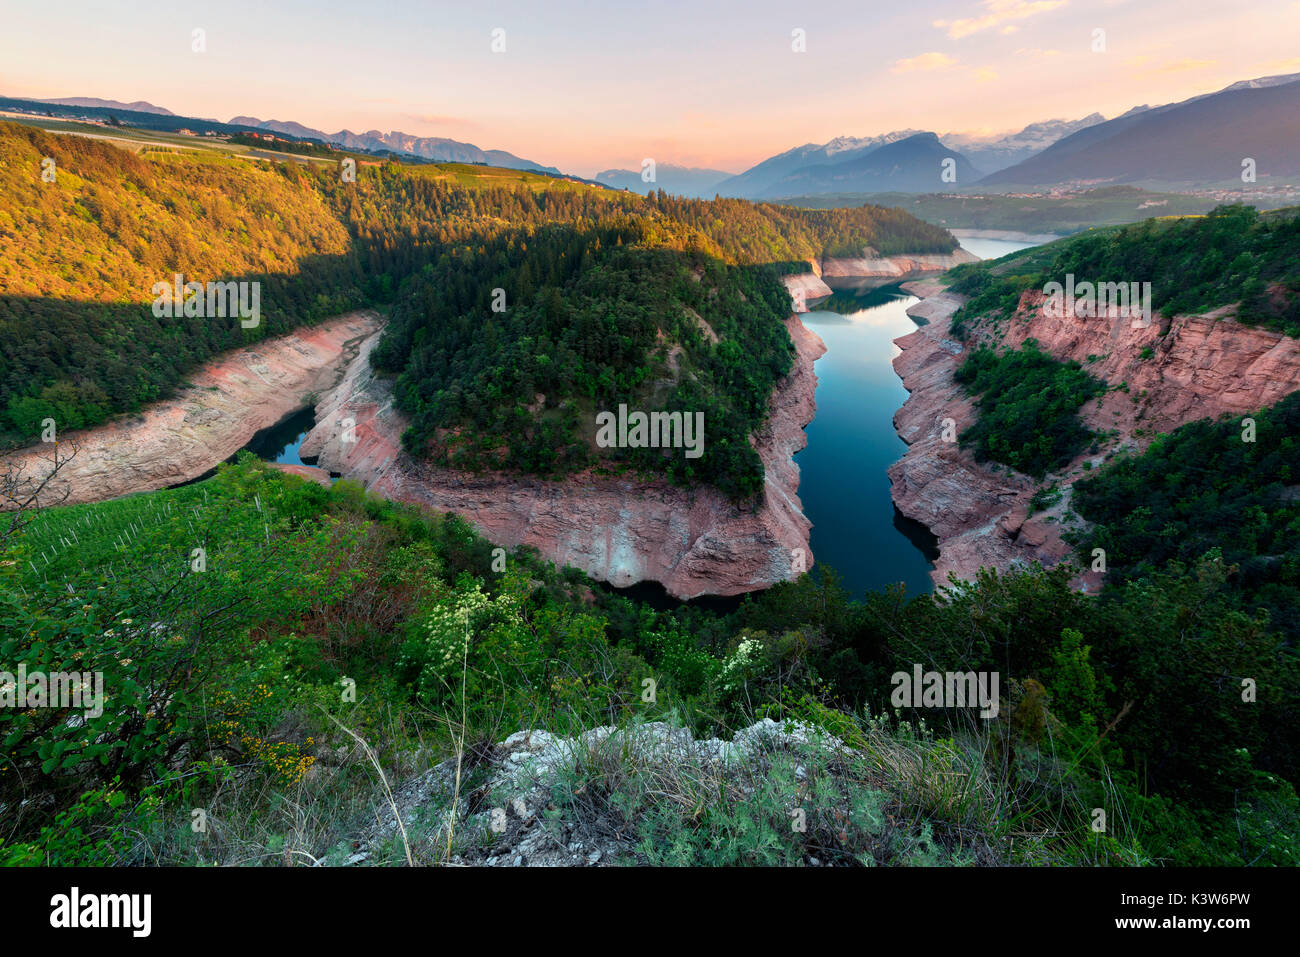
{"x":695,"y":542}
{"x":1203,"y":366}
{"x":229,"y":400}
{"x":869,"y":271}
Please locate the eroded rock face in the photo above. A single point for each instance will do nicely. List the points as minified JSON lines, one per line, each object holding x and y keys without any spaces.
{"x":936,"y":482}
{"x":693,"y":541}
{"x":229,"y":401}
{"x":804,"y":288}
{"x":1203,"y":367}
{"x":867,"y":272}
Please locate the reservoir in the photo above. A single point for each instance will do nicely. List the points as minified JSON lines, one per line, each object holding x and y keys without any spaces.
{"x":275,"y":443}
{"x":844,"y":483}
{"x":280,"y":442}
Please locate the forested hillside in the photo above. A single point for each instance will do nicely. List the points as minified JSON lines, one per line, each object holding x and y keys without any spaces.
{"x":229,"y":686}
{"x":1232,"y":255}
{"x":1201,"y":489}
{"x":79,"y":341}
{"x":1028,"y":407}
{"x":599,"y":318}
{"x":763,"y":232}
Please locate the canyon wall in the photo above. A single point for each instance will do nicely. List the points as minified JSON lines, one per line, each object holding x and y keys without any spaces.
{"x":226,"y":403}
{"x":867,"y":272}
{"x":1203,"y":366}
{"x":804,"y":288}
{"x":863,"y":273}
{"x":693,"y":541}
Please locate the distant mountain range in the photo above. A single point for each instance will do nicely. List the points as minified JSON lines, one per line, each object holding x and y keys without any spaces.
{"x":990,"y":154}
{"x":1197,"y":142}
{"x":148,"y":116}
{"x":139,"y":106}
{"x":759,"y":180}
{"x":436,"y":148}
{"x":901,"y":161}
{"x":910,"y":165}
{"x":679,"y":180}
{"x":1200,"y":141}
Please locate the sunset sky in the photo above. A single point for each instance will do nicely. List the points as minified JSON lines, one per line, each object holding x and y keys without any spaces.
{"x":587,"y":86}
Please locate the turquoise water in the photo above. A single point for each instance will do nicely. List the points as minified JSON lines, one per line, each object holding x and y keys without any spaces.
{"x":280,"y":442}
{"x":844,"y":481}
{"x":275,"y":443}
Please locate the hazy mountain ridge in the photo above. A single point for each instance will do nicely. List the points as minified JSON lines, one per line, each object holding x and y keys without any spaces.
{"x":692,"y":181}
{"x":758,"y":179}
{"x":437,"y":148}
{"x":145,"y":115}
{"x":1259,"y":83}
{"x":991,"y":154}
{"x":139,"y":106}
{"x":821,"y":167}
{"x":912,"y":164}
{"x":1141,"y":144}
{"x":1201,"y":140}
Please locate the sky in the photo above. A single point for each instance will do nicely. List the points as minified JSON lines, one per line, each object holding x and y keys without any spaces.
{"x":587,"y":86}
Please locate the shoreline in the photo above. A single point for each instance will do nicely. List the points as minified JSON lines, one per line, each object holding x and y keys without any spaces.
{"x":231,"y":398}
{"x":1178,"y":370}
{"x":977,"y":515}
{"x":693,"y":541}
{"x":624,"y":531}
{"x":1011,"y":235}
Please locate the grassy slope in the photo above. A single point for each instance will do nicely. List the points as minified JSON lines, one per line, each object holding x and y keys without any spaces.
{"x":303,"y":587}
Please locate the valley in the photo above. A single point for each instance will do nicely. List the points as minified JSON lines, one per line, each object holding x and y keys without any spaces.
{"x":225,"y":405}
{"x":749,"y":460}
{"x":693,"y":542}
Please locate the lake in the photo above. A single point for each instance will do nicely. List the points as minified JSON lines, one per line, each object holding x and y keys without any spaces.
{"x":844,"y":481}
{"x":280,"y":442}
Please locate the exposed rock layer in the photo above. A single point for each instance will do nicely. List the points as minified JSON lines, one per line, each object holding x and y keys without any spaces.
{"x":1204,"y":366}
{"x":805,"y":288}
{"x":229,"y":401}
{"x":523,"y":773}
{"x":693,"y":541}
{"x":864,"y":273}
